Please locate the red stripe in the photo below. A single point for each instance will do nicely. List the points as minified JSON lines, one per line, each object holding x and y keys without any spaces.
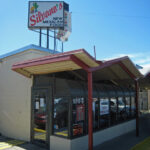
{"x":41,"y":62}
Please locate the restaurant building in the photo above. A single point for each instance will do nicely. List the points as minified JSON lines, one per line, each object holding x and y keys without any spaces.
{"x":67,"y":100}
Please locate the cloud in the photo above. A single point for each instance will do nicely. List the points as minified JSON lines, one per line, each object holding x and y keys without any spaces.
{"x":122,"y":55}
{"x":146,"y":69}
{"x":142,"y":59}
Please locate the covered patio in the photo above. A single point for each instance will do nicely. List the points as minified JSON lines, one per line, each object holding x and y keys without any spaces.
{"x":83,"y":66}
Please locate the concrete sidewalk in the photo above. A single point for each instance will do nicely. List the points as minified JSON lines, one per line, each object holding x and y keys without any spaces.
{"x":127,"y":141}
{"x":11,"y":144}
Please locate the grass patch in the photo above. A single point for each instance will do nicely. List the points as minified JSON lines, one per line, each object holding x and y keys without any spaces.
{"x":144,"y":145}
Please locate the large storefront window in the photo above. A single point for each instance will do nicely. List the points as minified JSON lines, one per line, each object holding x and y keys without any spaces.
{"x":122,"y":111}
{"x":113,"y":110}
{"x":128,"y":106}
{"x":133,"y":108}
{"x":104,"y":112}
{"x":78,"y":111}
{"x":95,"y":113}
{"x":61,"y":116}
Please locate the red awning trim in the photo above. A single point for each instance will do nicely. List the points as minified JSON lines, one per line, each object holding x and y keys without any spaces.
{"x":79,"y":62}
{"x":127,"y":70}
{"x":108,"y":63}
{"x":55,"y":56}
{"x":40,"y":62}
{"x":71,"y":56}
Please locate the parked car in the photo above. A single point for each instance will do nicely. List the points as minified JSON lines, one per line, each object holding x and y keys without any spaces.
{"x":40,"y":119}
{"x":123,"y":111}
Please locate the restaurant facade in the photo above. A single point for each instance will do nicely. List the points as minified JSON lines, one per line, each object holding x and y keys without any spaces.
{"x":67,"y":100}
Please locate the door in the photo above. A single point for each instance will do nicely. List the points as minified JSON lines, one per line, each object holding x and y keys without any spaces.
{"x":40,"y":123}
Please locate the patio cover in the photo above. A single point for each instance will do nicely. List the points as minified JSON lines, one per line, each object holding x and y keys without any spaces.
{"x":120,"y":68}
{"x":55,"y":63}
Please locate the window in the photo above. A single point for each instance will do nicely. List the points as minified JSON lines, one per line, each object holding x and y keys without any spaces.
{"x":61,"y":116}
{"x":128,"y":106}
{"x":78,"y":111}
{"x":104,"y":112}
{"x":122,"y":114}
{"x":133,"y":107}
{"x":40,"y":120}
{"x":113,"y":110}
{"x":95,"y":113}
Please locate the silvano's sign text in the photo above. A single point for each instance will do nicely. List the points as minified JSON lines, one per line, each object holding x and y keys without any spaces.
{"x":46,"y":14}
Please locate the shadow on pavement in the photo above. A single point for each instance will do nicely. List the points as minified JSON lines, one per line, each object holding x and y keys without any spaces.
{"x":127,"y":141}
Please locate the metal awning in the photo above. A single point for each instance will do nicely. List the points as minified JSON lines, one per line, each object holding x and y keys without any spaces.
{"x":120,"y":68}
{"x":56,"y":63}
{"x":117,"y":69}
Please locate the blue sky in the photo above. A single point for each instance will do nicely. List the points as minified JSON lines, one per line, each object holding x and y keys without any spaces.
{"x":115,"y":27}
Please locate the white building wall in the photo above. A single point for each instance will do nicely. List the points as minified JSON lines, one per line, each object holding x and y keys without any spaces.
{"x":15,"y":97}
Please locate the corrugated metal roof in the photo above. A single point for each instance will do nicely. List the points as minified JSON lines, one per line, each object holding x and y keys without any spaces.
{"x":31,"y":46}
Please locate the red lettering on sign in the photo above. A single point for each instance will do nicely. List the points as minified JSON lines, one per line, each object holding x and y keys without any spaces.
{"x":55,"y":9}
{"x":60,"y":6}
{"x":33,"y":20}
{"x":40,"y":16}
{"x":37,"y":18}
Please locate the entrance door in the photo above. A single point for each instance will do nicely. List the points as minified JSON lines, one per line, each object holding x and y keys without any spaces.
{"x":40,"y":128}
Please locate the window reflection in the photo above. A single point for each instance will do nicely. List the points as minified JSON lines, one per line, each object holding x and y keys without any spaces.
{"x":133,"y":108}
{"x":95,"y":113}
{"x":40,"y":117}
{"x":61,"y":116}
{"x":78,"y":116}
{"x":128,"y":108}
{"x":104,"y":112}
{"x":113,"y":110}
{"x":123,"y":109}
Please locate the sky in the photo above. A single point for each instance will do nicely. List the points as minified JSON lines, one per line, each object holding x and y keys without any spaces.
{"x":116,"y":27}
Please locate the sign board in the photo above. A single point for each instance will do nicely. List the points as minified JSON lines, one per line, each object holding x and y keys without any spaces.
{"x":46,"y":14}
{"x":65,"y":33}
{"x":80,"y":112}
{"x":104,"y":107}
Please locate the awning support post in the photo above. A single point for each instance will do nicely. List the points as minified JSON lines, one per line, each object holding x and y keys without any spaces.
{"x":90,"y":114}
{"x":137,"y":110}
